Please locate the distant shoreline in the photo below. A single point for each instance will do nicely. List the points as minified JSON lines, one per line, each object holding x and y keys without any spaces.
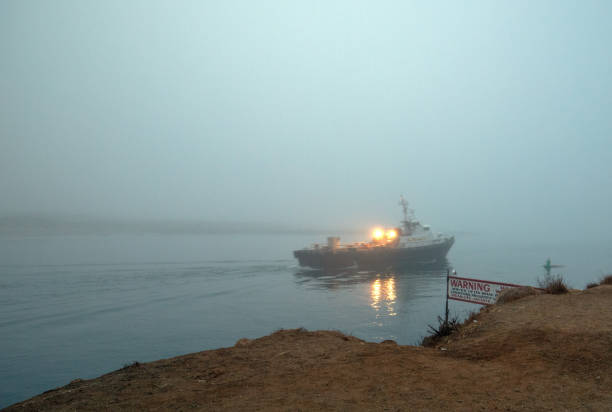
{"x":70,"y":226}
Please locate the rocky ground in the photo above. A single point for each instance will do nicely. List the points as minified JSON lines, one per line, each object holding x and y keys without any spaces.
{"x":546,"y":352}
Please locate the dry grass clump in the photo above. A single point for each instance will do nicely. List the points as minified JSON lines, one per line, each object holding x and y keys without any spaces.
{"x":511,"y":294}
{"x":606,"y":280}
{"x":553,"y":284}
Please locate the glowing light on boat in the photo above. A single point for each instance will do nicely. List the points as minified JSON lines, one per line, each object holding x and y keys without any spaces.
{"x":378,"y":234}
{"x":391,"y":234}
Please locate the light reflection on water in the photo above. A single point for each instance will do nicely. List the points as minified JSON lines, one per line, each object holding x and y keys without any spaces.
{"x":383,"y":295}
{"x":383,"y":304}
{"x":375,"y":293}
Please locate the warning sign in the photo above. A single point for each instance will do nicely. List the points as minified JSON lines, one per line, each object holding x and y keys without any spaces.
{"x":483,"y":292}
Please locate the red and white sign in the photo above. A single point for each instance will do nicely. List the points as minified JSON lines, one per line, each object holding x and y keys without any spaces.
{"x":483,"y":292}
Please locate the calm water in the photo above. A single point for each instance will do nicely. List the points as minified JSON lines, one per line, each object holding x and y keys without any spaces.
{"x":78,"y":307}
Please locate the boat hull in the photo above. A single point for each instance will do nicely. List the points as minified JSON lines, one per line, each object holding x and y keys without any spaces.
{"x":374,"y":257}
{"x":322,"y":259}
{"x":398,"y":257}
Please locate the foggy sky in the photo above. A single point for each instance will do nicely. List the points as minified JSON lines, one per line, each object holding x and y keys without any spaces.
{"x":487,"y":116}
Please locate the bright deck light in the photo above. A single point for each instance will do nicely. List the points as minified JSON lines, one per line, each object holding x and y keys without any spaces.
{"x":391,"y":234}
{"x":378,"y":234}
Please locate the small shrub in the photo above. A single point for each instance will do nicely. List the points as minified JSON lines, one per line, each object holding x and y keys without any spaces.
{"x":134,"y":364}
{"x":443,"y":329}
{"x":591,"y":285}
{"x":511,"y":294}
{"x":553,"y":284}
{"x":606,"y":280}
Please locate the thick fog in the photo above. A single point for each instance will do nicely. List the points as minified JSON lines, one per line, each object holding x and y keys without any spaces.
{"x":490,"y":117}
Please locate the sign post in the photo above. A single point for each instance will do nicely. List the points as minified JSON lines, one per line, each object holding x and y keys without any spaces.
{"x":446,"y":311}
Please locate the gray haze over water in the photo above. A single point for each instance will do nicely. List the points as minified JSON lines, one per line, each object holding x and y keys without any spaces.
{"x":491,"y":117}
{"x":160,"y":161}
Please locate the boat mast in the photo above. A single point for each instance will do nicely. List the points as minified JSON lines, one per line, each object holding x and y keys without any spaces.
{"x":404,"y":204}
{"x":407,"y":223}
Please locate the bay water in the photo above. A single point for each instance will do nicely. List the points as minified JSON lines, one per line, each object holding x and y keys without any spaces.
{"x":81,"y":306}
